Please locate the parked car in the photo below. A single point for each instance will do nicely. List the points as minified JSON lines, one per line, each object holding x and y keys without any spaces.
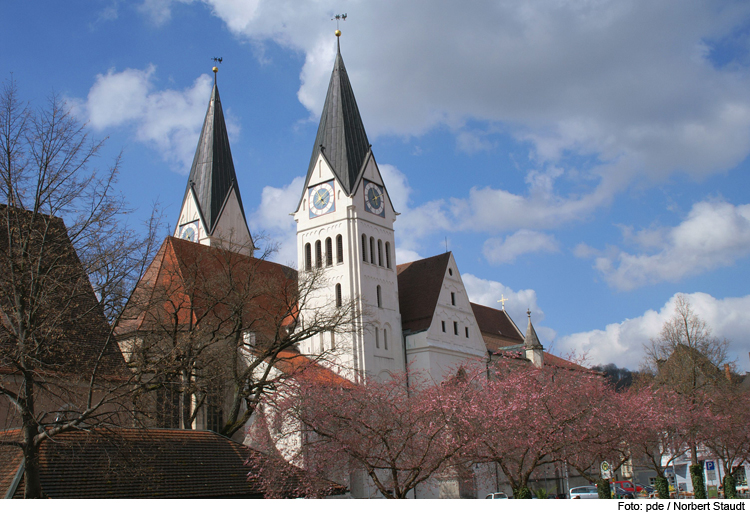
{"x":620,"y":493}
{"x":588,"y":492}
{"x":628,"y":486}
{"x":496,"y":496}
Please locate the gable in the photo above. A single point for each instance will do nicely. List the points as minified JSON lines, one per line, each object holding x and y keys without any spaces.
{"x":419,"y":286}
{"x":497,"y":328}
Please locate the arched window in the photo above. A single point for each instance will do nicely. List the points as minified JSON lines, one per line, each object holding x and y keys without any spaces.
{"x":377,"y":338}
{"x":308,"y":257}
{"x":339,"y":249}
{"x":364,"y":247}
{"x":338,"y":295}
{"x":385,"y":338}
{"x":388,"y":254}
{"x":380,"y":297}
{"x":329,"y":252}
{"x":380,"y":253}
{"x":372,"y":250}
{"x":318,"y":254}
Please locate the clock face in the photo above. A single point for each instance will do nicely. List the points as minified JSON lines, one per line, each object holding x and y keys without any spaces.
{"x":375,"y":199}
{"x":321,"y":200}
{"x":189,"y":233}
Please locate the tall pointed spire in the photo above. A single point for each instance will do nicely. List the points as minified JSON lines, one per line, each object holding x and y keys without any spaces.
{"x":212,"y":175}
{"x":341,"y":135}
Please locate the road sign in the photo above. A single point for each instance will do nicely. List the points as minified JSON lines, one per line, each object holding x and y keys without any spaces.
{"x":605,"y":468}
{"x":710,"y":465}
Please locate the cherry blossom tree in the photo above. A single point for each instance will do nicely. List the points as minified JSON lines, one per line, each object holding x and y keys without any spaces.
{"x":726,"y":432}
{"x":399,"y":435}
{"x":665,"y":431}
{"x":527,"y":418}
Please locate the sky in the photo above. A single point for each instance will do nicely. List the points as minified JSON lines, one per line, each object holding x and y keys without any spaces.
{"x":586,"y":160}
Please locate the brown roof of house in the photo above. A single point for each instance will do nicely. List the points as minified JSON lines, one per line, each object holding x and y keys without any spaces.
{"x":135,"y":463}
{"x":419,"y":285}
{"x":496,"y":323}
{"x":70,"y":327}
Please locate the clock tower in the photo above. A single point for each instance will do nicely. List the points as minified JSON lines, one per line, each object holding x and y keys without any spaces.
{"x":212,"y":212}
{"x":345,"y":232}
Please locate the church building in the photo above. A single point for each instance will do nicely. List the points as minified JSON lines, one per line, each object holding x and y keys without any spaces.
{"x":411,"y":316}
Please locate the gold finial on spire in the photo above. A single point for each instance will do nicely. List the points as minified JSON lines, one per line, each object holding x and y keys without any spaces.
{"x":337,"y":18}
{"x":215,"y":69}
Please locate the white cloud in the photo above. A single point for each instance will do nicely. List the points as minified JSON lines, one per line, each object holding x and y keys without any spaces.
{"x":489,"y":292}
{"x":272,"y":217}
{"x":714,"y":234}
{"x":168,"y":121}
{"x":630,"y":84}
{"x":499,"y":251}
{"x":622,"y":342}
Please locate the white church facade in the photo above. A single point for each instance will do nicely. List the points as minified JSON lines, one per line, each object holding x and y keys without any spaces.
{"x":414,"y":317}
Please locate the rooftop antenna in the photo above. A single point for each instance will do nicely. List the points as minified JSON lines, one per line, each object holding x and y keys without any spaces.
{"x":215,"y":69}
{"x":338,"y":18}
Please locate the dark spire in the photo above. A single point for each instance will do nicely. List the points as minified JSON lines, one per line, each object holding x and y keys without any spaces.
{"x":212,"y":175}
{"x":531,"y":341}
{"x":341,"y":134}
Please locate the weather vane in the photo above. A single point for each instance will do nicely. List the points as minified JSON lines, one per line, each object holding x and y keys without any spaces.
{"x":338,"y":18}
{"x":217,"y":60}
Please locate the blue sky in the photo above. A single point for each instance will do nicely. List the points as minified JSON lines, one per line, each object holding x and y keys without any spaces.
{"x":587,"y":160}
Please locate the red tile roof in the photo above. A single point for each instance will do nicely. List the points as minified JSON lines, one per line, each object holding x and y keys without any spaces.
{"x":135,"y":463}
{"x":419,"y":285}
{"x":196,"y":279}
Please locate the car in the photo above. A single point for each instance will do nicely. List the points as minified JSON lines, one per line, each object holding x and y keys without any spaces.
{"x":620,"y":493}
{"x":628,"y":486}
{"x":588,"y":492}
{"x":496,"y":496}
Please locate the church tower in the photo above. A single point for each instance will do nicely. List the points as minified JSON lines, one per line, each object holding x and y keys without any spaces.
{"x":212,"y":212}
{"x":345,"y":229}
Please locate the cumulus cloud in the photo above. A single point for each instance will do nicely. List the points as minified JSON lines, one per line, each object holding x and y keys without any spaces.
{"x":489,"y":292}
{"x":714,"y":234}
{"x":169,"y":120}
{"x":622,"y":342}
{"x":272,"y":217}
{"x":499,"y":251}
{"x":631,"y":84}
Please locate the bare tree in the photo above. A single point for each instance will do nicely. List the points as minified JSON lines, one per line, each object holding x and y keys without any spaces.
{"x":209,"y":331}
{"x":689,"y":360}
{"x":60,"y":230}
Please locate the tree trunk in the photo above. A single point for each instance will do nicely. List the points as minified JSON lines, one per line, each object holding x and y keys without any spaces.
{"x":699,"y":485}
{"x":662,"y":487}
{"x":730,"y":492}
{"x":33,"y":482}
{"x":603,"y":489}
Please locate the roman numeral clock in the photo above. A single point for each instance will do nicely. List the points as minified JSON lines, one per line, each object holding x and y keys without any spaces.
{"x":321,"y":200}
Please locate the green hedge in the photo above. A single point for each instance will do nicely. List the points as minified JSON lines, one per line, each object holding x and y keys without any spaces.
{"x":662,"y":487}
{"x":603,"y":489}
{"x":699,"y":485}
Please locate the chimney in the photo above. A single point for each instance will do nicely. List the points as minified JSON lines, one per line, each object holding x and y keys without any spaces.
{"x":727,"y":372}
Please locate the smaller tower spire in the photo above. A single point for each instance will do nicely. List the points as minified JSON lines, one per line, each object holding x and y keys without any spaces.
{"x":534,"y":348}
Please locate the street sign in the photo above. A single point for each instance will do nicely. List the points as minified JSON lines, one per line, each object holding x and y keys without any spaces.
{"x":605,"y":468}
{"x":710,"y":465}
